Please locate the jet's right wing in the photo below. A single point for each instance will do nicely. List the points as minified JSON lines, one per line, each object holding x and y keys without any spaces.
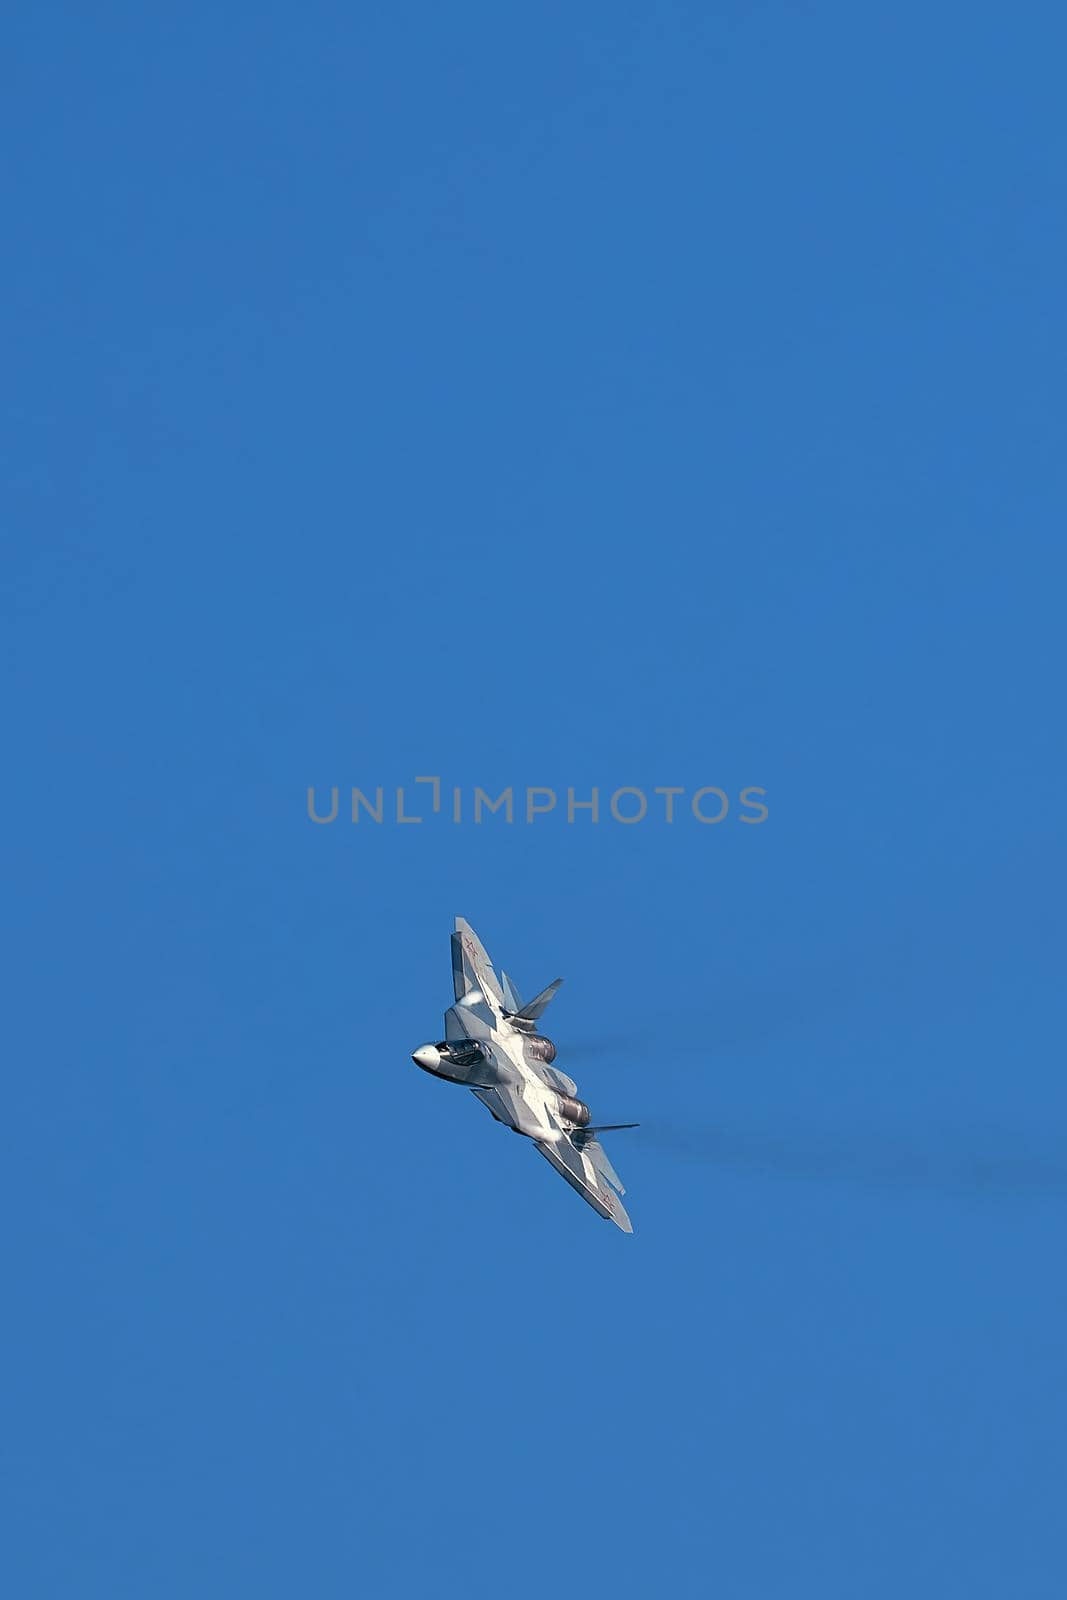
{"x":471,"y":966}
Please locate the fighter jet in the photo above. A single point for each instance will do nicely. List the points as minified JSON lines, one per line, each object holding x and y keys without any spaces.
{"x":492,"y":1047}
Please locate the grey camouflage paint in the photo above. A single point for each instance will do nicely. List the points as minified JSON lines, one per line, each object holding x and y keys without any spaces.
{"x":517,"y":1087}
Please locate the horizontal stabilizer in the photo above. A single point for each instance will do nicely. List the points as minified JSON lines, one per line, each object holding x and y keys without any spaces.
{"x":599,"y":1157}
{"x":535,"y":1008}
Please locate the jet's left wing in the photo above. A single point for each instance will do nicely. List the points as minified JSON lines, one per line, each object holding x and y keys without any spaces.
{"x":505,"y":1102}
{"x":587,"y":1169}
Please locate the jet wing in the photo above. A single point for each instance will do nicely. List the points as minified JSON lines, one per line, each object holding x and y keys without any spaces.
{"x":471,"y":966}
{"x":504,"y":1102}
{"x":590,"y":1172}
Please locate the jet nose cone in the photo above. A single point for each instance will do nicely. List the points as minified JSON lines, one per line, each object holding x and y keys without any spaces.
{"x":427,"y":1056}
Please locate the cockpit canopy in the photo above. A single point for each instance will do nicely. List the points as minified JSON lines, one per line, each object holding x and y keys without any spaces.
{"x":462,"y":1052}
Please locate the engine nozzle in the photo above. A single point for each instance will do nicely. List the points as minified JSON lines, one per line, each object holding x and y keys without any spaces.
{"x":574,"y":1111}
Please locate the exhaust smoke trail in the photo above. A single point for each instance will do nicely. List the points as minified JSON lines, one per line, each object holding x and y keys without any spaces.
{"x":992,"y":1164}
{"x":599,"y":1047}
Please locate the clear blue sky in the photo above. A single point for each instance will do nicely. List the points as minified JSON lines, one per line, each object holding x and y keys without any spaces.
{"x":559,"y":395}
